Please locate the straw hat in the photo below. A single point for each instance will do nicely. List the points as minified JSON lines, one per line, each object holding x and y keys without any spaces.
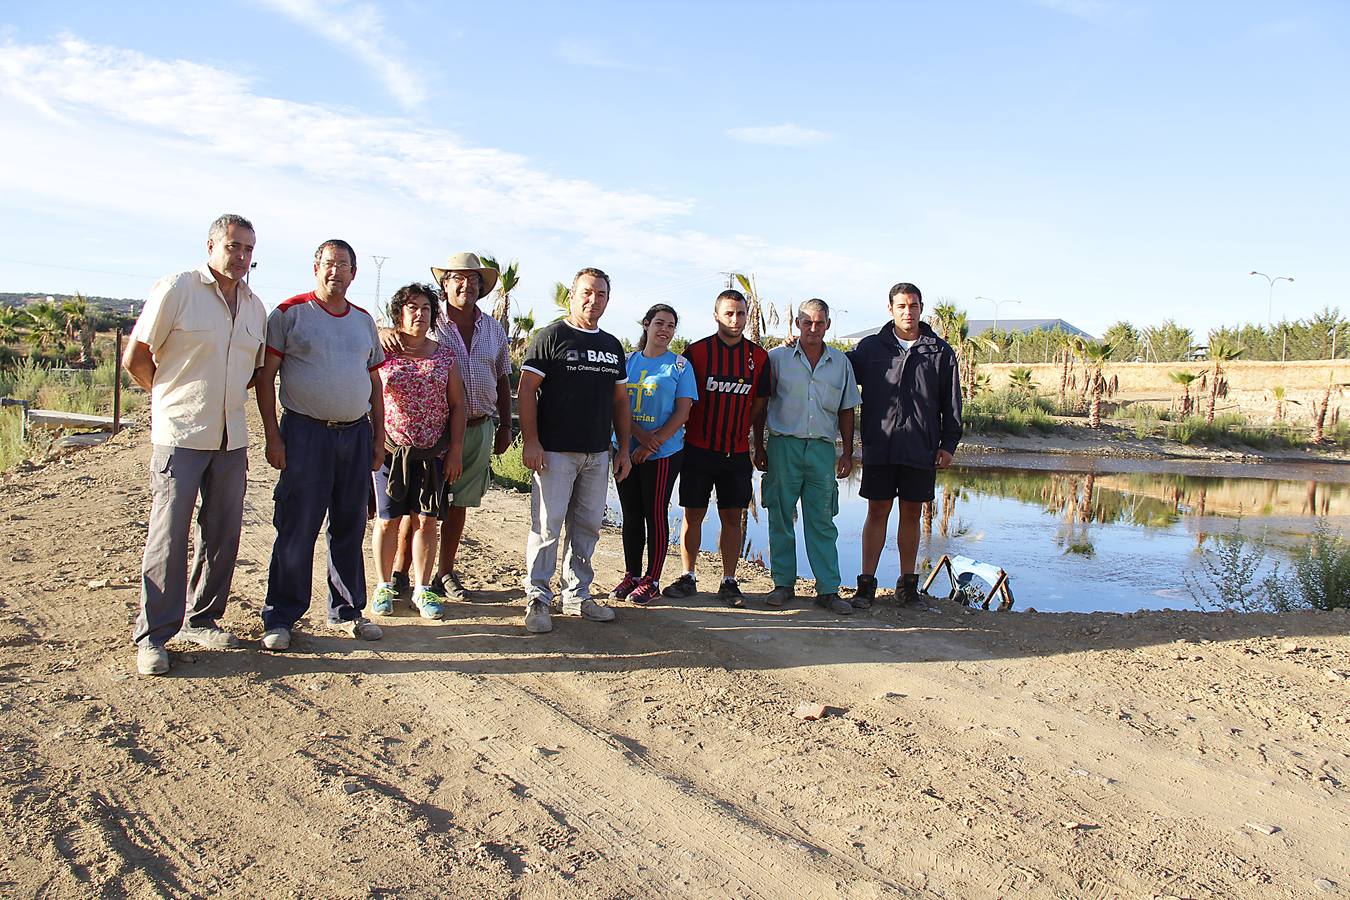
{"x":468,"y":262}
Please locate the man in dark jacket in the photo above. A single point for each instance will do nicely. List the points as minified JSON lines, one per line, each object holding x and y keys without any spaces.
{"x":911,"y":424}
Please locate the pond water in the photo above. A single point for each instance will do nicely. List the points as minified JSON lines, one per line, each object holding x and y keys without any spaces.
{"x":1084,"y":534}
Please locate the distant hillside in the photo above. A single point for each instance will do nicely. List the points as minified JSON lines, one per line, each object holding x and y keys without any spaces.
{"x":122,"y":305}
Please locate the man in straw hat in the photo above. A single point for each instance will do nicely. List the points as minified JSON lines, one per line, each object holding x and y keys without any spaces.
{"x":482,"y":354}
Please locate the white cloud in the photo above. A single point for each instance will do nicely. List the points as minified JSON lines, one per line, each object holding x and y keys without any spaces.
{"x":787,"y":135}
{"x":358,"y":28}
{"x":158,"y":142}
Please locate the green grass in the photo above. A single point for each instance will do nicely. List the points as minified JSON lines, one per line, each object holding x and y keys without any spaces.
{"x":1232,"y":430}
{"x":1008,"y":412}
{"x":509,"y":471}
{"x":82,"y":392}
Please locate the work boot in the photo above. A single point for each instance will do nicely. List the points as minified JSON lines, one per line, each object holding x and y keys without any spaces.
{"x":835,"y":604}
{"x":866,"y":592}
{"x":907,"y":591}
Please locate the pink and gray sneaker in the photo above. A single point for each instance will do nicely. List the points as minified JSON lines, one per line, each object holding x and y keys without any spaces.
{"x":646,"y":591}
{"x":626,"y":586}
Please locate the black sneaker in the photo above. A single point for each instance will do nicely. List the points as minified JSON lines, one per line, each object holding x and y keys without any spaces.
{"x":684,"y":586}
{"x":835,"y":604}
{"x":866,"y":592}
{"x":401,"y":585}
{"x":730,"y":593}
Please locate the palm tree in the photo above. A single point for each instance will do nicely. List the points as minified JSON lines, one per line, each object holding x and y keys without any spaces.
{"x":507,"y":279}
{"x":522,"y":327}
{"x":79,"y":323}
{"x":1184,"y":379}
{"x":1278,"y":392}
{"x":1221,"y":351}
{"x":1095,"y":355}
{"x":948,"y":321}
{"x":754,"y":309}
{"x":10,"y":320}
{"x":562,"y":300}
{"x":1019,"y":379}
{"x":44,"y":323}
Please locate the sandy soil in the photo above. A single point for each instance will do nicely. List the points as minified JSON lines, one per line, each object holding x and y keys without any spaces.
{"x":966,"y":754}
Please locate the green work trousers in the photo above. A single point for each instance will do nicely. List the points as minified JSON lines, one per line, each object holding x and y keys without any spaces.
{"x":802,"y":470}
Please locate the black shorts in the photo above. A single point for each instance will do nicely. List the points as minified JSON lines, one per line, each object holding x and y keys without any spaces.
{"x":704,"y":470}
{"x":886,"y":482}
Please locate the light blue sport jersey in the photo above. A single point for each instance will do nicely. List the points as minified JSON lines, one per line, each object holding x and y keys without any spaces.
{"x":654,"y":384}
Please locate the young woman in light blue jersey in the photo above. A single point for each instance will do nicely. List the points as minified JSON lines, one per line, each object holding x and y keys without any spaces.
{"x":661,"y":388}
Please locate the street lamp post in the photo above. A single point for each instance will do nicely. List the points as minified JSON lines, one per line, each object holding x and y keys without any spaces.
{"x":1270,"y":296}
{"x":997,"y":304}
{"x":836,"y":324}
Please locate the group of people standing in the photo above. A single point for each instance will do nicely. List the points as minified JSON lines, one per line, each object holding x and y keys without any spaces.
{"x":401,"y":423}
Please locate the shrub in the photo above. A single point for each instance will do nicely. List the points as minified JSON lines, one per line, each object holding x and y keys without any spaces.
{"x":1010,"y":411}
{"x":1232,"y":578}
{"x":1322,"y":569}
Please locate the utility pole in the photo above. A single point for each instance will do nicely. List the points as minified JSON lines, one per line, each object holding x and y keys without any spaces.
{"x":379,"y":269}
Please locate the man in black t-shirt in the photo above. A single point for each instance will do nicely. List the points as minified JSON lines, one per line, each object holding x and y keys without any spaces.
{"x":573,"y":394}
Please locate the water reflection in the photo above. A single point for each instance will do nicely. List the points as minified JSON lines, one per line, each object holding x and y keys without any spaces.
{"x":1082,"y":534}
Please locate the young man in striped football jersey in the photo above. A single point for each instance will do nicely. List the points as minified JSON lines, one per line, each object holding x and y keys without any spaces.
{"x":734,"y":384}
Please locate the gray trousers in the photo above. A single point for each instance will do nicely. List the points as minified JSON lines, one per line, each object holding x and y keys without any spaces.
{"x":570,"y":491}
{"x":177,"y":477}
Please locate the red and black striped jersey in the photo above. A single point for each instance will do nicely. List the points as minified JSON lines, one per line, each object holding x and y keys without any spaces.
{"x":729,"y":379}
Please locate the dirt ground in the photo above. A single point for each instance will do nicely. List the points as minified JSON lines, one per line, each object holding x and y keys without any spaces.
{"x":965,"y":754}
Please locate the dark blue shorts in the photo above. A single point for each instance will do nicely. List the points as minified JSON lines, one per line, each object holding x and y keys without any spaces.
{"x":886,"y":482}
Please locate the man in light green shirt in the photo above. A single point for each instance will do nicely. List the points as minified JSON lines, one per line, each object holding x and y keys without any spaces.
{"x":814,"y":395}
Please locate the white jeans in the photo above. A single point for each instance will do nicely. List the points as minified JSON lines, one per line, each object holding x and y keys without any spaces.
{"x":571,"y":490}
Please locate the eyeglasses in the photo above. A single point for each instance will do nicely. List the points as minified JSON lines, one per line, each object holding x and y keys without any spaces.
{"x":460,"y":278}
{"x":335,"y":265}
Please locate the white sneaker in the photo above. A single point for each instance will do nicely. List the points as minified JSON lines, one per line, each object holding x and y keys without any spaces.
{"x":360,"y":628}
{"x":209,"y":636}
{"x":277,"y":639}
{"x":537,"y":617}
{"x":588,"y":609}
{"x":152,"y":659}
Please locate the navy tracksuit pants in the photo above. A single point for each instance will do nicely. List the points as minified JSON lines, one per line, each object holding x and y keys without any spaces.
{"x":327,"y":473}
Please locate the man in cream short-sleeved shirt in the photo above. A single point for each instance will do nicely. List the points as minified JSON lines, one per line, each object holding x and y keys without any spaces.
{"x":195,"y":348}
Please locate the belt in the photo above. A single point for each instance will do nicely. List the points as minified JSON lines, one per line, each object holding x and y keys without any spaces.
{"x":476,"y":420}
{"x":336,"y":426}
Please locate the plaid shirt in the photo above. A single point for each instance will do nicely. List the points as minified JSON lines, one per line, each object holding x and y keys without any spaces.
{"x":480,"y":365}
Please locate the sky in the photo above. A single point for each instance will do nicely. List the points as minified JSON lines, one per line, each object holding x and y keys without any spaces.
{"x":1091,"y":160}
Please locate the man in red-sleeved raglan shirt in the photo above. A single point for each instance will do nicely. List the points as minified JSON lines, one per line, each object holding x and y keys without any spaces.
{"x":734,"y":384}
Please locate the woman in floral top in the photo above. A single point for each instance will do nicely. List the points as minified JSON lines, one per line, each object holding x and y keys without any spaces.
{"x":424,"y":435}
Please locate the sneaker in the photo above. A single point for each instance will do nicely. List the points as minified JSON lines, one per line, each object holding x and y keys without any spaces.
{"x":429,"y":603}
{"x":382,"y":604}
{"x":866,"y":592}
{"x":684,"y":586}
{"x":152,"y":659}
{"x":835,"y":604}
{"x":276,"y":639}
{"x":779,"y":595}
{"x":625,"y":586}
{"x":209,"y":636}
{"x":730,"y":593}
{"x":646,"y":591}
{"x":402,"y":584}
{"x":538,"y":620}
{"x":451,"y":588}
{"x":360,"y":628}
{"x":588,"y":609}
